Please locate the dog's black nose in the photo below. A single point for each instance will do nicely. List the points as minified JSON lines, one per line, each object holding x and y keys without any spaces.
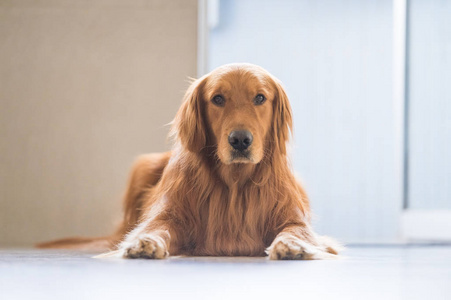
{"x":240,"y":139}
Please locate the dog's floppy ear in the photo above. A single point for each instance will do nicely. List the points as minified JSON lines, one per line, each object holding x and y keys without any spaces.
{"x":283,"y":122}
{"x":189,"y":126}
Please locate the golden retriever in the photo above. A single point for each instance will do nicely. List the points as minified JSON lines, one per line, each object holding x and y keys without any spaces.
{"x":226,"y":188}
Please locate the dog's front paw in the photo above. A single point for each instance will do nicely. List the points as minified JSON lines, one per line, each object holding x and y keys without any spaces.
{"x":294,"y":249}
{"x":146,"y":247}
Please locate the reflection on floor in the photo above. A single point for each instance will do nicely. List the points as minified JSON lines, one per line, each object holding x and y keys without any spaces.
{"x":363,"y":273}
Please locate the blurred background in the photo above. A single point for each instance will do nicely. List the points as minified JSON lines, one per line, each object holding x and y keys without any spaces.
{"x":86,"y":86}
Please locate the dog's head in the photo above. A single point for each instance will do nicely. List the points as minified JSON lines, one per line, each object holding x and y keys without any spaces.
{"x":240,"y":110}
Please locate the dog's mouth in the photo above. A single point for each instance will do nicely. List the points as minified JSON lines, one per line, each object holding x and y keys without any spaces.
{"x":240,"y":156}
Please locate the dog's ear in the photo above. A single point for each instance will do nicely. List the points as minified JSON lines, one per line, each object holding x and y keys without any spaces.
{"x":189,"y":125}
{"x":283,"y":122}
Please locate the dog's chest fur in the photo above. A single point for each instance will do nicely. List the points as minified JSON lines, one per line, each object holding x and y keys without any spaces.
{"x":231,"y":220}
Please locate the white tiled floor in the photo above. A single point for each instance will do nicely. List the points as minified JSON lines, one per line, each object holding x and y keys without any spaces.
{"x":364,"y":273}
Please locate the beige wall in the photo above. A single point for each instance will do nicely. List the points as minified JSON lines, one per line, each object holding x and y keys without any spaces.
{"x":85,"y":86}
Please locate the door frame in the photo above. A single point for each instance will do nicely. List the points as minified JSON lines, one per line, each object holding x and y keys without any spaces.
{"x":415,"y":225}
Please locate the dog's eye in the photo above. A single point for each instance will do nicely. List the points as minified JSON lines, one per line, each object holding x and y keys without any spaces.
{"x":218,"y":100}
{"x":259,"y":99}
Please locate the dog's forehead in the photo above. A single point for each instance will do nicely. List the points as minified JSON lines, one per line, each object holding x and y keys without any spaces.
{"x":238,"y":81}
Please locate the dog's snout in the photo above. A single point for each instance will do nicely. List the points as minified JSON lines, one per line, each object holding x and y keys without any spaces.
{"x":240,"y":139}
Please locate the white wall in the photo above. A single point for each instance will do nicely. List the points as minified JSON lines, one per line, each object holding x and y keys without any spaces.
{"x":335,"y":59}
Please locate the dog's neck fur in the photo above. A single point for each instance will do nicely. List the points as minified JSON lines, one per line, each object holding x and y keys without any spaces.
{"x":236,"y":174}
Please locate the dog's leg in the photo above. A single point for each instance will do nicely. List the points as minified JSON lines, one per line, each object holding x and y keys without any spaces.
{"x":300,"y":242}
{"x":145,"y":174}
{"x":152,"y":245}
{"x":153,"y":238}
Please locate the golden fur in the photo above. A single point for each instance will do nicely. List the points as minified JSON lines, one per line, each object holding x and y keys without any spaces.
{"x":199,"y":199}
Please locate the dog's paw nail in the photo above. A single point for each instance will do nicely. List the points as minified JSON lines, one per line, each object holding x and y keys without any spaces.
{"x":292,"y":250}
{"x":146,"y":247}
